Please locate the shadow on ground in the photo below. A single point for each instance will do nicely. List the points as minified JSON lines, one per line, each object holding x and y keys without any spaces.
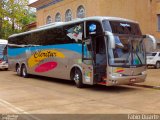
{"x":100,"y":88}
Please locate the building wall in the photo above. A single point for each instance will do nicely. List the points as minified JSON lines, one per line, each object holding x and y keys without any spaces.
{"x":61,"y":8}
{"x":154,"y":19}
{"x":137,"y":10}
{"x":143,"y":11}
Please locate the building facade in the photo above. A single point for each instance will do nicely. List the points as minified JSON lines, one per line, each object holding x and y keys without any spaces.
{"x":146,"y":12}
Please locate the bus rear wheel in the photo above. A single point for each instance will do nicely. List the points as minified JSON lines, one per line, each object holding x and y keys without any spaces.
{"x":18,"y":70}
{"x":77,"y":77}
{"x":24,"y":71}
{"x":157,"y":65}
{"x":6,"y":69}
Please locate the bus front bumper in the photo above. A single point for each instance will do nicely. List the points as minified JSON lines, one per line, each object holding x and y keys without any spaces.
{"x":4,"y":66}
{"x":124,"y":80}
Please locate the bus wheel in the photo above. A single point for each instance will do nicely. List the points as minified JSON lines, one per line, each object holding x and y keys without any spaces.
{"x":18,"y":70}
{"x":6,"y":69}
{"x":24,"y":71}
{"x":77,"y":77}
{"x":157,"y":65}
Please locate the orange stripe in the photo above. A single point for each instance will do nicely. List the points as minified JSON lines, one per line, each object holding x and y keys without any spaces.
{"x":119,"y":70}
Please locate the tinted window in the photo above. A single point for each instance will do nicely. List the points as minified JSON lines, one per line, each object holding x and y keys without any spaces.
{"x":20,"y":40}
{"x":125,"y":28}
{"x":60,"y":35}
{"x":54,"y":36}
{"x":74,"y":33}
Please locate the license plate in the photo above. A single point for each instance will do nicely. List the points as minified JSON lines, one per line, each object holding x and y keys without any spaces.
{"x":133,"y":80}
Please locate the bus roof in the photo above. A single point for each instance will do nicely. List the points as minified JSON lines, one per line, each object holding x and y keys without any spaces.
{"x":2,"y":41}
{"x":56,"y":24}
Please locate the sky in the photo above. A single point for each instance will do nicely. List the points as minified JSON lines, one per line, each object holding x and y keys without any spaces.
{"x":31,"y":1}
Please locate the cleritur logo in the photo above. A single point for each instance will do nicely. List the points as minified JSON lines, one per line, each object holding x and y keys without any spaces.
{"x":42,"y":55}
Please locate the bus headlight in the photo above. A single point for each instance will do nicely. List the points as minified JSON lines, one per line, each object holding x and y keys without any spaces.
{"x":144,"y":72}
{"x":117,"y":75}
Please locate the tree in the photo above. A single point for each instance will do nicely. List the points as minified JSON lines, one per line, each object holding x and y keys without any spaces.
{"x":28,"y":18}
{"x":14,"y":15}
{"x":1,"y":17}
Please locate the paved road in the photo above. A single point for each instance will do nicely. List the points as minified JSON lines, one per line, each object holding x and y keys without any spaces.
{"x":47,"y":95}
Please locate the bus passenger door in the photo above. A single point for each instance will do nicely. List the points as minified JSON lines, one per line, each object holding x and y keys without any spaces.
{"x":87,"y":62}
{"x":94,"y":60}
{"x":94,"y":53}
{"x":100,"y":59}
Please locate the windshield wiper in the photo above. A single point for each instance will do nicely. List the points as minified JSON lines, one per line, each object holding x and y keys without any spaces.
{"x":138,"y":55}
{"x":139,"y":58}
{"x":128,"y":54}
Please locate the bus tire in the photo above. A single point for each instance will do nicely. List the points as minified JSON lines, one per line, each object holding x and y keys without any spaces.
{"x":24,"y":71}
{"x":18,"y":69}
{"x":77,"y":77}
{"x":157,"y":65}
{"x":6,"y":69}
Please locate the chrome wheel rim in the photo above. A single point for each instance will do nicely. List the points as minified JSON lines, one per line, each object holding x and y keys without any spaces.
{"x":76,"y":77}
{"x":158,"y":65}
{"x":18,"y":70}
{"x":24,"y":72}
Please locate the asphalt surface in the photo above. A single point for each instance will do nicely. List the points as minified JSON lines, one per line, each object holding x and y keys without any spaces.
{"x":41,"y":95}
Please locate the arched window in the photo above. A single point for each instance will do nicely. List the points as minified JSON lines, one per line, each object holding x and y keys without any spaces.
{"x":68,"y":15}
{"x":49,"y":20}
{"x":80,"y":12}
{"x":58,"y":17}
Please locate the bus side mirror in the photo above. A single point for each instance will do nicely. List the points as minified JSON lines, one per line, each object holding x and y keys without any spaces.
{"x":150,"y":43}
{"x":111,"y":39}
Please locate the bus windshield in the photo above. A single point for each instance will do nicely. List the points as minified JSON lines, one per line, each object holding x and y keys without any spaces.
{"x":2,"y":51}
{"x":129,"y":51}
{"x":121,"y":27}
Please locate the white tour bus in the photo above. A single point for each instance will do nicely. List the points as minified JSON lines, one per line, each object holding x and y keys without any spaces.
{"x":94,"y":50}
{"x":3,"y":54}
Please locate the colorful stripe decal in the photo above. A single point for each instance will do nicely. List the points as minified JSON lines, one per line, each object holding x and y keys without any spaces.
{"x":46,"y":67}
{"x":118,"y":70}
{"x":41,"y":55}
{"x":18,"y":51}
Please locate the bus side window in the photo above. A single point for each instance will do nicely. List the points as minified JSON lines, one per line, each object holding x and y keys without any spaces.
{"x":34,"y":39}
{"x":55,"y":36}
{"x":74,"y":33}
